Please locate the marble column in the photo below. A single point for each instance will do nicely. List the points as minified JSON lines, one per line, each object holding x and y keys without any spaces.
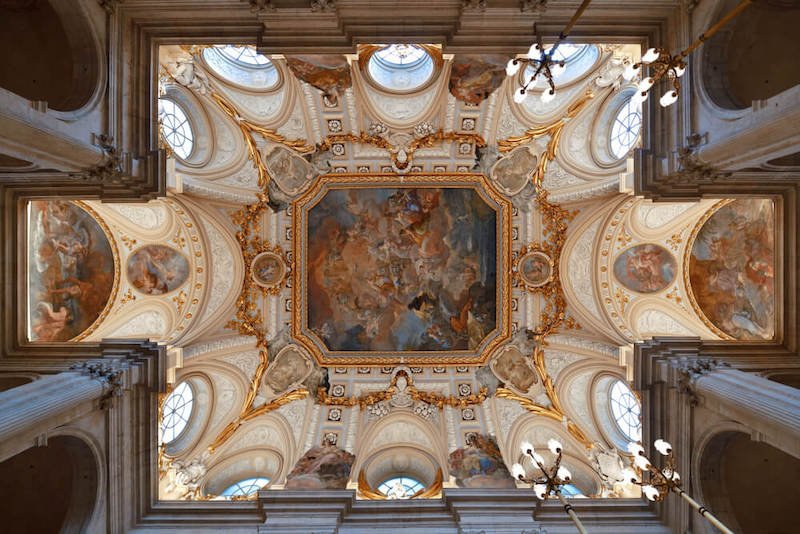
{"x":26,"y":407}
{"x":770,"y":408}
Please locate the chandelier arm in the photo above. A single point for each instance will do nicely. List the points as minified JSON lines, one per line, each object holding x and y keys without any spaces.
{"x":715,"y":28}
{"x":571,"y":513}
{"x":568,"y":28}
{"x":702,"y":510}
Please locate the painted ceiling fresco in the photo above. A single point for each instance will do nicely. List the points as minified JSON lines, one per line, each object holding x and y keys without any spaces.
{"x":344,"y":268}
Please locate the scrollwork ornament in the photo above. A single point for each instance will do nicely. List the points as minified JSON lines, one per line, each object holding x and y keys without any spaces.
{"x":259,"y":6}
{"x":112,"y":170}
{"x":690,"y":370}
{"x":109,"y":373}
{"x":692,"y":170}
{"x":473,"y":5}
{"x":535,"y":6}
{"x":323,"y":5}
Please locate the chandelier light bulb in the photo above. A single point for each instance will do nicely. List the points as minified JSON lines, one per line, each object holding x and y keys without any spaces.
{"x":554,"y":446}
{"x":517,"y":471}
{"x":564,"y":474}
{"x":548,"y":95}
{"x":650,"y":492}
{"x":534,"y":52}
{"x":679,"y":71}
{"x":650,"y":56}
{"x":558,"y":69}
{"x":630,"y":72}
{"x":639,"y":97}
{"x":512,"y":67}
{"x":641,"y":462}
{"x":527,"y":448}
{"x":669,"y":98}
{"x":646,"y":84}
{"x":635,"y":449}
{"x":662,"y":446}
{"x":519,"y":96}
{"x":629,"y":476}
{"x":540,"y":490}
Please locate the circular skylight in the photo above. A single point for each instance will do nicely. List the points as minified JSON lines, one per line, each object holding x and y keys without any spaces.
{"x":246,"y":487}
{"x":401,"y":67}
{"x":626,"y":128}
{"x":401,"y":487}
{"x":175,"y":127}
{"x":176,"y":412}
{"x":242,"y":65}
{"x":626,"y":411}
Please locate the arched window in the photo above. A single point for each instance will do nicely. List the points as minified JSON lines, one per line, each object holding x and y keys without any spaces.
{"x":401,"y":487}
{"x":175,"y":127}
{"x":176,"y":412}
{"x":242,"y":65}
{"x":400,"y":67}
{"x":626,"y":411}
{"x":626,"y":128}
{"x":245,"y":488}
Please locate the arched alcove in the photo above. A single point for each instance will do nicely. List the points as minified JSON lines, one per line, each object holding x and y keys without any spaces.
{"x":735,"y":470}
{"x":66,"y":468}
{"x":50,"y":54}
{"x":754,"y":57}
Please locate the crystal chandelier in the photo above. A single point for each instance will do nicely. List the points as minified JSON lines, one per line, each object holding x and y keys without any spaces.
{"x":551,"y":480}
{"x":671,"y":67}
{"x":663,"y":480}
{"x":541,"y":59}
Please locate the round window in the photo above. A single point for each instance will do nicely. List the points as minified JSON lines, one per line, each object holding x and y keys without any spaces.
{"x":626,"y":411}
{"x":626,"y":128}
{"x":175,"y":127}
{"x":176,"y":412}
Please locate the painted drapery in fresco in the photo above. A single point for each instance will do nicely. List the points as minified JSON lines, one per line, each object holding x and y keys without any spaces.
{"x":402,"y":269}
{"x":732,"y":269}
{"x":70,"y":270}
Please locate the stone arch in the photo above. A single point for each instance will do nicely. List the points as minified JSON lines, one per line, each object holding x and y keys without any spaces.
{"x":419,"y":438}
{"x":251,"y":463}
{"x":68,"y":467}
{"x":732,"y":74}
{"x":730,"y":465}
{"x":53,"y":54}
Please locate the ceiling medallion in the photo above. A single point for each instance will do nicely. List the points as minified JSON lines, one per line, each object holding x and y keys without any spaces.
{"x":269,"y":270}
{"x":534,"y":269}
{"x":412,"y":269}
